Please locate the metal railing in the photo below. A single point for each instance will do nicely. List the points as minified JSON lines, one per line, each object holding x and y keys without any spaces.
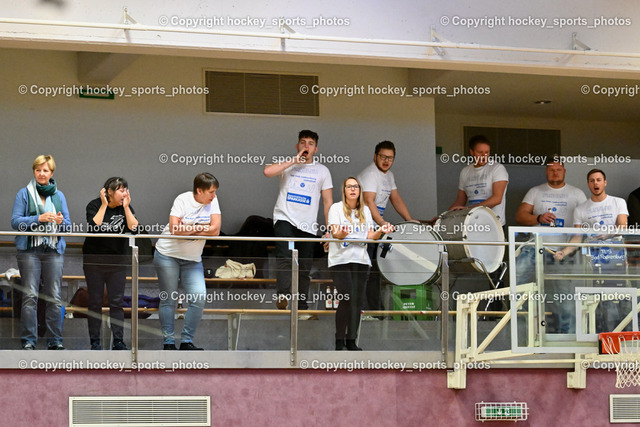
{"x":136,"y":357}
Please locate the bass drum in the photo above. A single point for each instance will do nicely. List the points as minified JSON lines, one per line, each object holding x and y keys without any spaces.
{"x":479,"y":224}
{"x":410,"y":264}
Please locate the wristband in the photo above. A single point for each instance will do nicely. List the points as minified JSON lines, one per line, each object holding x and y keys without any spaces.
{"x":538,"y":219}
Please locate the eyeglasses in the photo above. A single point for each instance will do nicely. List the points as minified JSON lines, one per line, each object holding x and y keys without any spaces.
{"x":383,"y":157}
{"x":352,"y":186}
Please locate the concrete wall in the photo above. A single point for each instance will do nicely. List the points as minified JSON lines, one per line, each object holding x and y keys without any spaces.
{"x":92,"y":140}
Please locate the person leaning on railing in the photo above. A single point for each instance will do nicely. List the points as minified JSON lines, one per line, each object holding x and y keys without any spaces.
{"x":105,"y":260}
{"x":40,"y":207}
{"x":194,"y":213}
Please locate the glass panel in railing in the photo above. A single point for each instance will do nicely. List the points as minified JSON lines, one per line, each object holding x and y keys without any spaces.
{"x":584,"y":282}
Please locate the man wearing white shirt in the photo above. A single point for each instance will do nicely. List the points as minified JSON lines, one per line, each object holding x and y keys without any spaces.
{"x":550,"y":204}
{"x":483,"y":183}
{"x":303,"y":182}
{"x":379,"y":187}
{"x":601,"y":213}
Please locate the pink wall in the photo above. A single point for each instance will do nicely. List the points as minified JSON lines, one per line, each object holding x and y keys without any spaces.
{"x":297,"y":397}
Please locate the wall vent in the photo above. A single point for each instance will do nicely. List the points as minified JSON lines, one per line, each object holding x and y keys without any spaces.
{"x":624,"y":408}
{"x":255,"y":93}
{"x":139,"y":411}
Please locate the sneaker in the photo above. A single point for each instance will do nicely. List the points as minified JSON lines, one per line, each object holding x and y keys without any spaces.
{"x":189,"y":346}
{"x":119,"y":345}
{"x":282,"y":302}
{"x":28,"y":346}
{"x":95,"y":345}
{"x":368,"y":318}
{"x":57,"y":346}
{"x":169,"y":347}
{"x":307,"y":317}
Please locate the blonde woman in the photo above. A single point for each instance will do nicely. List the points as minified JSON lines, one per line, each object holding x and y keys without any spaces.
{"x":349,"y":263}
{"x":41,"y":207}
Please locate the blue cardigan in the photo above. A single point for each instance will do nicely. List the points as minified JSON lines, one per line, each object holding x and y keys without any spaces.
{"x":21,"y":221}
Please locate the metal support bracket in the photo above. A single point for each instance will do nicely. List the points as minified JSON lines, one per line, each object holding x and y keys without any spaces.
{"x":126,"y":18}
{"x":577,"y":44}
{"x":435,"y":37}
{"x":284,"y":28}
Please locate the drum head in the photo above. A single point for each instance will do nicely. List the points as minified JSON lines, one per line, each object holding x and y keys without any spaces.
{"x":482,"y":225}
{"x":410,"y":264}
{"x":479,"y":224}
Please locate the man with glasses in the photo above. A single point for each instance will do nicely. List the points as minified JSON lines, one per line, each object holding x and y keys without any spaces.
{"x":378,"y":188}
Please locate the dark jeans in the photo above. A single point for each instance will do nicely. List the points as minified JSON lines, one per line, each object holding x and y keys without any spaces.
{"x":114,"y":277}
{"x":350,"y":281}
{"x":305,"y":260}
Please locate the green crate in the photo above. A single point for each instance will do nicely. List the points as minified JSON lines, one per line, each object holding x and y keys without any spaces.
{"x":412,"y":297}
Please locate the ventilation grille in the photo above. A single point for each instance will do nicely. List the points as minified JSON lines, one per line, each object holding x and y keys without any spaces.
{"x":251,"y":93}
{"x":140,"y":411}
{"x":624,"y":408}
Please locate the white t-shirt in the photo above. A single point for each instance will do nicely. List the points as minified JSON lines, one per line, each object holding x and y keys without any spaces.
{"x":190,"y":212}
{"x":477,"y":183}
{"x":559,"y":201}
{"x":374,"y":180}
{"x":300,"y":193}
{"x":602,"y":213}
{"x":344,"y":252}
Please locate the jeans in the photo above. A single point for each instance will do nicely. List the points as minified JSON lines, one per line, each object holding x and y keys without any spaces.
{"x":283,"y":256}
{"x":191,"y":275}
{"x":560,"y":298}
{"x":114,"y":277}
{"x":41,"y":264}
{"x":350,"y":281}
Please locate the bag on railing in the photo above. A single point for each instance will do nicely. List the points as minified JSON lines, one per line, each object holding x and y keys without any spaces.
{"x":235,"y":270}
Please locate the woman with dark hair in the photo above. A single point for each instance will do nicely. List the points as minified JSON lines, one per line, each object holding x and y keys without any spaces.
{"x":349,"y":263}
{"x":194,"y":213}
{"x":41,"y":207}
{"x":105,"y":260}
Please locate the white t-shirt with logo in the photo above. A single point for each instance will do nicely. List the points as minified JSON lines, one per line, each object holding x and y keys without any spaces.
{"x":300,"y":193}
{"x":190,"y":212}
{"x":559,"y":201}
{"x":345,"y":252}
{"x":373,"y":180}
{"x":477,"y":183}
{"x":602,"y":213}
